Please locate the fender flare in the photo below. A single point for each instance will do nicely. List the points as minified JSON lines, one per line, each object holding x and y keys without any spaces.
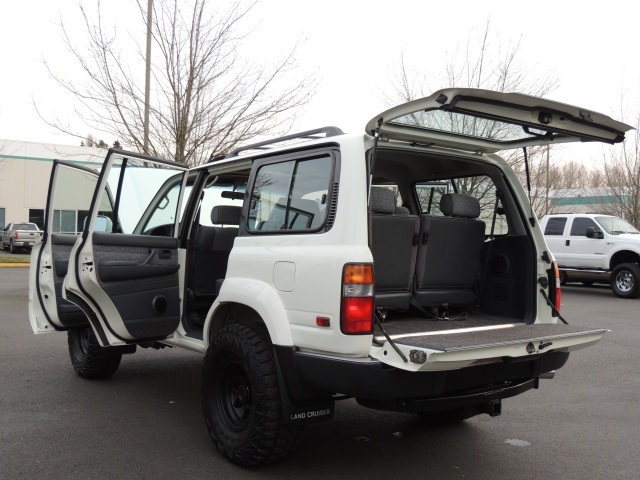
{"x":618,"y":249}
{"x":259,"y":296}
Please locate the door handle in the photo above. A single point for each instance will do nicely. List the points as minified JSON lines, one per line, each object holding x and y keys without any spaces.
{"x":152,"y":253}
{"x":567,"y":242}
{"x":165,"y":255}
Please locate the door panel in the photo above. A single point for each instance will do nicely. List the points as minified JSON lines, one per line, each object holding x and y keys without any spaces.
{"x":581,"y":251}
{"x":128,"y":275}
{"x":140,"y":275}
{"x":71,"y":189}
{"x":68,"y":313}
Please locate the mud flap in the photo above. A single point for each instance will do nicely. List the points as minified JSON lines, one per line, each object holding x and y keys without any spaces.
{"x":300,"y":405}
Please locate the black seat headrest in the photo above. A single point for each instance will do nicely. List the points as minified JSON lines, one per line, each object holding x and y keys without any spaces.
{"x":225,"y":215}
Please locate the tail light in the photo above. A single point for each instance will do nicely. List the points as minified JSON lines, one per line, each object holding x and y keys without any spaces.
{"x":555,"y":291}
{"x":357,"y":300}
{"x":15,"y":236}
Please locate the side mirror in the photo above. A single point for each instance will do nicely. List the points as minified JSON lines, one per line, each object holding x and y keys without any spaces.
{"x":593,"y":233}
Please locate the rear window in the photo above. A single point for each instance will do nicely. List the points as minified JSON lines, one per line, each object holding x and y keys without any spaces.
{"x":481,"y":187}
{"x":25,"y":226}
{"x":555,"y":226}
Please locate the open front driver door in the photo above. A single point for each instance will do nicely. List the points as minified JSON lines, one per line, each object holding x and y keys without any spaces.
{"x":123,"y":272}
{"x":71,"y":190}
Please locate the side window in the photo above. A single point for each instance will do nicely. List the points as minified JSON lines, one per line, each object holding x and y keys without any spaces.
{"x":429,"y":195}
{"x":74,"y":190}
{"x":164,"y":211}
{"x":220,"y":193}
{"x":146,"y":197}
{"x":580,"y":225}
{"x":291,"y":196}
{"x":2,"y":218}
{"x":555,"y":226}
{"x":481,"y":187}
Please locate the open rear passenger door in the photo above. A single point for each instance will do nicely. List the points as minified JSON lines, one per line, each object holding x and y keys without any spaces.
{"x":124,"y":271}
{"x":71,"y":190}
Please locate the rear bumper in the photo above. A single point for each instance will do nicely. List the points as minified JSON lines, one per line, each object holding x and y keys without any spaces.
{"x":23,"y":243}
{"x":374,"y":384}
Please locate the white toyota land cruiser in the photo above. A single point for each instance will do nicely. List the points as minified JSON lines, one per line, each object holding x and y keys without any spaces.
{"x":403,"y":267}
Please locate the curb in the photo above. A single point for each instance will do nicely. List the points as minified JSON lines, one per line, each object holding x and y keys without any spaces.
{"x":14,"y":265}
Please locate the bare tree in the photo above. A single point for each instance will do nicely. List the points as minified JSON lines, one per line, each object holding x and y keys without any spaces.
{"x":619,"y":177}
{"x":207,"y":98}
{"x":485,"y":61}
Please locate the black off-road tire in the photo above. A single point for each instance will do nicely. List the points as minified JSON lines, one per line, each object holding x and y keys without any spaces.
{"x":443,"y":418}
{"x":88,"y":358}
{"x":241,"y":397}
{"x":625,"y":280}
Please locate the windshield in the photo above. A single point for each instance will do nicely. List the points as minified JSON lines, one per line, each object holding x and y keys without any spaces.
{"x":616,"y":226}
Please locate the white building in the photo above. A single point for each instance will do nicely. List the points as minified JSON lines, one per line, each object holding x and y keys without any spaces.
{"x":25,"y":168}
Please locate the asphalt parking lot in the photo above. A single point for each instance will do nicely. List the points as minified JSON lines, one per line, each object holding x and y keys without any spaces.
{"x":146,"y":421}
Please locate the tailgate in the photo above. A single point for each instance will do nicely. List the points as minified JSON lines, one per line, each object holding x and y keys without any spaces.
{"x":457,"y":348}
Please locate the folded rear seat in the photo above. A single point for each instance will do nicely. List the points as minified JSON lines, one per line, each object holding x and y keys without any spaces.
{"x":449,"y":250}
{"x":394,"y":249}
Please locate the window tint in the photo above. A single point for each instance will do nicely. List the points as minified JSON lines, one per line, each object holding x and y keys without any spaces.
{"x":555,"y":226}
{"x":580,"y":225}
{"x":2,"y":217}
{"x":290,"y":195}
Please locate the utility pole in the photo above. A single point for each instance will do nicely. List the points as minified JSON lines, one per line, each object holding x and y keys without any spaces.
{"x":147,"y":80}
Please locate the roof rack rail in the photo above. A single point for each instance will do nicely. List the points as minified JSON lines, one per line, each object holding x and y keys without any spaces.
{"x":309,"y":134}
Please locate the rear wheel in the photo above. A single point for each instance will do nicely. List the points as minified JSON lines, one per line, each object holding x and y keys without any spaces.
{"x":12,"y":249}
{"x":241,"y":397}
{"x":88,"y":358}
{"x":625,"y":280}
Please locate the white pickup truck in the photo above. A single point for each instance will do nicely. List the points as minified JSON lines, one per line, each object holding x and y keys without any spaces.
{"x":591,"y":247}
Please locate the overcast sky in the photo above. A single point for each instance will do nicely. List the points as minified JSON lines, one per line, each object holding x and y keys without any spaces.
{"x":352,"y":47}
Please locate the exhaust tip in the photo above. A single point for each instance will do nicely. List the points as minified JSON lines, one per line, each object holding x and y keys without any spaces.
{"x":548,"y":375}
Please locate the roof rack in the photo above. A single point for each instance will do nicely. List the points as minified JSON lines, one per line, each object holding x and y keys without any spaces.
{"x":309,"y":134}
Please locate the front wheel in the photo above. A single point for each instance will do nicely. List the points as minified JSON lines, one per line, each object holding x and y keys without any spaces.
{"x":88,"y":358}
{"x":241,"y":397}
{"x":625,"y":280}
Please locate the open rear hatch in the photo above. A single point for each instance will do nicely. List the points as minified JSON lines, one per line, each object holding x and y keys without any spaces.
{"x":487,"y":121}
{"x":453,"y":348}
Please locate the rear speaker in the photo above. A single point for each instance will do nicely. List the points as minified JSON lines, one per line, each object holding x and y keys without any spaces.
{"x":499,"y":264}
{"x":159,"y":304}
